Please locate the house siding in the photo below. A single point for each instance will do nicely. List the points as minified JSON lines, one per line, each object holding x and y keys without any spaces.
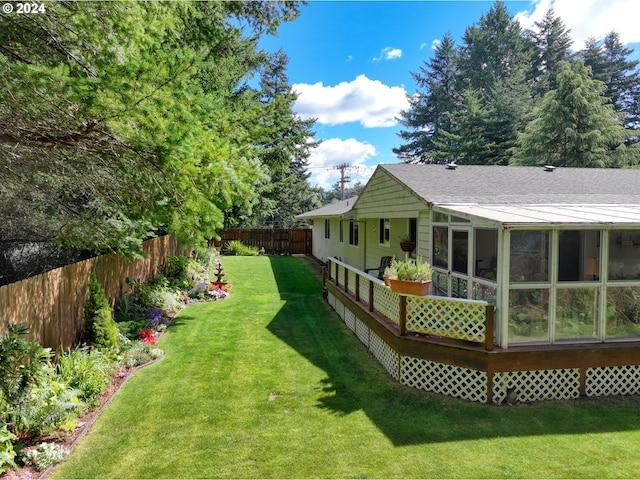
{"x":384,"y":197}
{"x":324,"y":248}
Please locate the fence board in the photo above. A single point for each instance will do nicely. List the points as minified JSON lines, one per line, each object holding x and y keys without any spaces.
{"x":275,"y":241}
{"x":52,"y":304}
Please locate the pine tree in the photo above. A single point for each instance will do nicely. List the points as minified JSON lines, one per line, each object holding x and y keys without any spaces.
{"x":495,"y":61}
{"x":284,"y":147}
{"x":575,"y":125}
{"x":553,"y":42}
{"x":427,"y":116}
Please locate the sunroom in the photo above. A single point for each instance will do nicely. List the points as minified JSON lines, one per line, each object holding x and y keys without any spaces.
{"x":556,"y":274}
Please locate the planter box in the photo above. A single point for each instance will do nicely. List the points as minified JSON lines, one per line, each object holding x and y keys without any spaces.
{"x":410,"y":288}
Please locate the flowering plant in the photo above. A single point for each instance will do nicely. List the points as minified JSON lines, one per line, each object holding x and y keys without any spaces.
{"x":147,"y":335}
{"x":154,"y":316}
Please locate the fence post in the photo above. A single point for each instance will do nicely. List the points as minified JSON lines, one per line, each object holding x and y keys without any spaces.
{"x":357,"y":292}
{"x":489,"y":327}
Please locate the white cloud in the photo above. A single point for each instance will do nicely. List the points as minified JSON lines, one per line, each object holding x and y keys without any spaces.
{"x":435,"y":44}
{"x":335,"y":151}
{"x":369,"y":102}
{"x":388,"y":53}
{"x":588,"y":18}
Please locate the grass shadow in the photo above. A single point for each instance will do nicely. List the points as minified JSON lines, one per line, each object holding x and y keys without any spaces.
{"x":355,"y":381}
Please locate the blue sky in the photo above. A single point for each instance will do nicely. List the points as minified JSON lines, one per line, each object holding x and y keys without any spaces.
{"x":351,"y":63}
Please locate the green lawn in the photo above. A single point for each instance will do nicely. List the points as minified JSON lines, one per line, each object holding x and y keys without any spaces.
{"x":271,"y":384}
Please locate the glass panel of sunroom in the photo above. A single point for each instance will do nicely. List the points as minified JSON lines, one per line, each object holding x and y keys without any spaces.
{"x":624,"y":255}
{"x":577,"y":313}
{"x":441,"y":247}
{"x":529,"y":260}
{"x":529,"y":315}
{"x":623,"y":312}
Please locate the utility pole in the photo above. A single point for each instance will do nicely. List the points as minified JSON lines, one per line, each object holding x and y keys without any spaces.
{"x":342,"y":167}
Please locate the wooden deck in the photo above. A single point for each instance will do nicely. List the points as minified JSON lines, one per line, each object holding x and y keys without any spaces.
{"x":535,"y":372}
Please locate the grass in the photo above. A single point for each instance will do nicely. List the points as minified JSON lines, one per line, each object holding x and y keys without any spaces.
{"x":271,"y":384}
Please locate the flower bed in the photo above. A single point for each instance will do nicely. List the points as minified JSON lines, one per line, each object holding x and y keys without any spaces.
{"x":83,"y":380}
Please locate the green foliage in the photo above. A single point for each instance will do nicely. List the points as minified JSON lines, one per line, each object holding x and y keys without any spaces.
{"x":483,"y":102}
{"x":132,"y":119}
{"x":100,"y":328}
{"x":575,"y":126}
{"x":236,"y":247}
{"x":7,"y":451}
{"x":20,"y":367}
{"x":412,"y":270}
{"x":87,"y":370}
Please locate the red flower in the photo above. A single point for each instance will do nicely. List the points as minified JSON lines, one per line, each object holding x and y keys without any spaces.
{"x":147,"y":336}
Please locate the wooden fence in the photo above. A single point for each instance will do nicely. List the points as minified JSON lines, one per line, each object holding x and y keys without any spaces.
{"x":52,"y":304}
{"x":275,"y":241}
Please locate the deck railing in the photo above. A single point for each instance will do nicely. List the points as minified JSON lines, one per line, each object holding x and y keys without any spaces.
{"x":454,"y":318}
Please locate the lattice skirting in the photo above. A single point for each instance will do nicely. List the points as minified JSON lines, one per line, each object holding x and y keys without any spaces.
{"x":450,"y":380}
{"x":471,"y":385}
{"x":535,"y":385}
{"x":603,"y":381}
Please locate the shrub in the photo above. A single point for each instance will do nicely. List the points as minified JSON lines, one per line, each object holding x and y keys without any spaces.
{"x":236,"y":247}
{"x":101,"y":330}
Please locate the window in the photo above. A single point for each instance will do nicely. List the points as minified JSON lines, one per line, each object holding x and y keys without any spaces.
{"x":440,"y":247}
{"x":624,"y":255}
{"x":439,"y":217}
{"x":327,"y":228}
{"x":341,"y":231}
{"x":529,"y":315}
{"x":578,"y":255}
{"x":384,"y":231}
{"x":486,"y":253}
{"x":353,"y":232}
{"x":529,"y":260}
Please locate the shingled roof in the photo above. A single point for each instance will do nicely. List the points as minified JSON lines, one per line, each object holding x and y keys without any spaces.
{"x":511,"y":185}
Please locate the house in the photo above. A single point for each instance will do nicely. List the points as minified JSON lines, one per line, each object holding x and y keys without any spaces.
{"x":555,"y":253}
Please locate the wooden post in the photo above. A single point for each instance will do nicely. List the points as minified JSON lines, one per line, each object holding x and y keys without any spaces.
{"x":402,"y":321}
{"x":346,"y":280}
{"x":337,"y":276}
{"x":489,"y":327}
{"x":357,"y":292}
{"x":371,"y":289}
{"x":328,"y":269}
{"x":582,"y":387}
{"x":489,"y":387}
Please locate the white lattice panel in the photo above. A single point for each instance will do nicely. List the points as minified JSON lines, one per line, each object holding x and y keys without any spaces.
{"x":364,"y":289}
{"x":339,"y":308}
{"x":605,"y":381}
{"x":450,"y":380}
{"x":331,"y":298}
{"x":386,"y":302}
{"x":350,"y":319}
{"x":362,"y":332}
{"x":446,"y":318}
{"x":530,"y":386}
{"x":386,"y":355}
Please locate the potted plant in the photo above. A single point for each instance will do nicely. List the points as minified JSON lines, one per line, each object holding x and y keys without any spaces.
{"x":406,"y":244}
{"x":410,"y":276}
